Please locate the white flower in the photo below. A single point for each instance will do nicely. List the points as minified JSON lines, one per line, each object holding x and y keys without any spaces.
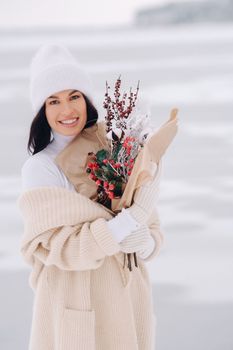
{"x":117,"y":131}
{"x":145,"y":134}
{"x":109,"y":135}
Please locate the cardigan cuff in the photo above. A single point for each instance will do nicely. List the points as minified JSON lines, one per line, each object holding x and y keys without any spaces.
{"x":104,"y":237}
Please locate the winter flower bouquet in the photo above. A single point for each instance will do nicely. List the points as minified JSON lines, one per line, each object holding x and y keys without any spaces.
{"x":126,"y":132}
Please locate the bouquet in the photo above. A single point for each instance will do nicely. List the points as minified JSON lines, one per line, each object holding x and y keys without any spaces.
{"x":126,"y":131}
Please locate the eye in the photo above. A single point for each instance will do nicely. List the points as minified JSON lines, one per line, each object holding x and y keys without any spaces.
{"x":53,"y":102}
{"x":75,"y":96}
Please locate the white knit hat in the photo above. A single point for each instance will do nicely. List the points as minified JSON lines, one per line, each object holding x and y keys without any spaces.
{"x":53,"y":69}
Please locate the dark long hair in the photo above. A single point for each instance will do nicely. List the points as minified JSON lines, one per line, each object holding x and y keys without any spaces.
{"x":40,"y":130}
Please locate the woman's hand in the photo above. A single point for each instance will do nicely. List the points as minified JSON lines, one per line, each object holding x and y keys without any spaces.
{"x":145,"y":252}
{"x":139,"y":241}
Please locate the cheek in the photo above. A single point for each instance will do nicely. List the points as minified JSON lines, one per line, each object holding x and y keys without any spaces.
{"x":51,"y":115}
{"x":83,"y":109}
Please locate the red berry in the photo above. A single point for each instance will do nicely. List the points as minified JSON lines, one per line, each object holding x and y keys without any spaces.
{"x":111,"y":187}
{"x":111,"y":195}
{"x":93,"y":177}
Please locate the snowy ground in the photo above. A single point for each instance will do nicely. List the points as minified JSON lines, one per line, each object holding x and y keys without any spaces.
{"x":187,"y":67}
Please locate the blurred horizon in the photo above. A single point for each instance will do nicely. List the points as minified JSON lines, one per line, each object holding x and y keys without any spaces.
{"x":97,"y":15}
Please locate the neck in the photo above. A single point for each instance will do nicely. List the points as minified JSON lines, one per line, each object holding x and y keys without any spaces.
{"x":60,"y":140}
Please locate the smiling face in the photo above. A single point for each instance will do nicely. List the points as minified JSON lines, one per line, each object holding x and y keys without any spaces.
{"x":66,"y":112}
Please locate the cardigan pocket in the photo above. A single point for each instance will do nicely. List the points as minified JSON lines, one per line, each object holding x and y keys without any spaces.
{"x":77,"y":330}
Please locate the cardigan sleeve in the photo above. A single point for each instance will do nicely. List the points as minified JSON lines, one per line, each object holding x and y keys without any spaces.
{"x":72,"y":247}
{"x":82,"y":246}
{"x":79,"y":248}
{"x":157,"y":235}
{"x":68,"y":244}
{"x":66,"y":229}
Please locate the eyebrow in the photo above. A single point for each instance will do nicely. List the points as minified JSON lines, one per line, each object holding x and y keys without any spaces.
{"x":73,"y":91}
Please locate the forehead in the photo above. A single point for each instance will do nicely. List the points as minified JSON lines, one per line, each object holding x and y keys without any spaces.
{"x":62,"y":93}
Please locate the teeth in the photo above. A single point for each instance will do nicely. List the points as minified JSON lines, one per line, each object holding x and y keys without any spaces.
{"x":70,"y":121}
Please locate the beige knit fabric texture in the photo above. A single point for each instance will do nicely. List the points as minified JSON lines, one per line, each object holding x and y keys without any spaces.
{"x":84,"y":298}
{"x":146,"y":197}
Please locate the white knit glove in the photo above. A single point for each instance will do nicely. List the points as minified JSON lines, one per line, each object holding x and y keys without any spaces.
{"x":146,"y":197}
{"x":144,"y":253}
{"x":122,"y":225}
{"x":131,"y":236}
{"x":141,"y":242}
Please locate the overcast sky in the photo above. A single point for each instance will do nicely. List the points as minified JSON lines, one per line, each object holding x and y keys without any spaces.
{"x":73,"y":12}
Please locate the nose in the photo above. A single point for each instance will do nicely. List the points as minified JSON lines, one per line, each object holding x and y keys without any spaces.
{"x":66,"y":109}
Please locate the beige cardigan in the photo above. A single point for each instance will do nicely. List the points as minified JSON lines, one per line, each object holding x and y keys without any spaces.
{"x":84,"y":298}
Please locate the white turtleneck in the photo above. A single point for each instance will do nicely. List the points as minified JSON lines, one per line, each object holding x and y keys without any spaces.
{"x":40,"y":168}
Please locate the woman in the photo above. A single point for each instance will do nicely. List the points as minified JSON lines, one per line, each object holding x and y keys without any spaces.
{"x":84,"y":298}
